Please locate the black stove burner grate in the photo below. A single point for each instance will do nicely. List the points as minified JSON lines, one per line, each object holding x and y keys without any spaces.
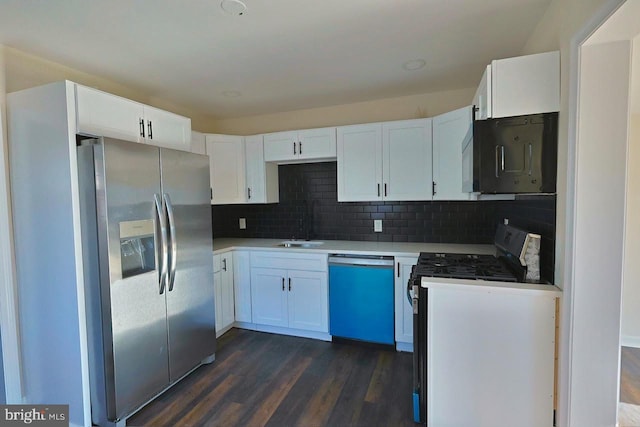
{"x":463,"y":266}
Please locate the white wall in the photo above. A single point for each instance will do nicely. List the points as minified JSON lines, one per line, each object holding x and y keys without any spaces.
{"x":631,"y":274}
{"x":8,"y":319}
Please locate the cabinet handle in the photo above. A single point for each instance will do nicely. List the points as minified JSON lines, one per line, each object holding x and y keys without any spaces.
{"x":150,"y":130}
{"x":300,"y":147}
{"x":142,"y":128}
{"x":398,"y":269}
{"x":249,"y":193}
{"x":378,"y":190}
{"x":289,"y":284}
{"x":433,"y":188}
{"x":224,"y":264}
{"x":283,"y":283}
{"x":211,"y":191}
{"x":385,"y":189}
{"x":499,"y":160}
{"x":294,"y":148}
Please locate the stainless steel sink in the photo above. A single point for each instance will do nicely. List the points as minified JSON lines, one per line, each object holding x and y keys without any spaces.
{"x":300,"y":243}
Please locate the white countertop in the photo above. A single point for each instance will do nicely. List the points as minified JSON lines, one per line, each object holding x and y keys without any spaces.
{"x":352,"y":247}
{"x":491,"y":286}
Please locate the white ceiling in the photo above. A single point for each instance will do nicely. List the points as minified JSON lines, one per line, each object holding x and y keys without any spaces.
{"x":281,"y":54}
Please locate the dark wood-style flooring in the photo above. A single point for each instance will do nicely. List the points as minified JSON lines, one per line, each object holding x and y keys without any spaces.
{"x":262,"y":379}
{"x":630,"y":375}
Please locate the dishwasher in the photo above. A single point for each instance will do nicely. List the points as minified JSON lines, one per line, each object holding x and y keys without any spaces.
{"x":361,"y":303}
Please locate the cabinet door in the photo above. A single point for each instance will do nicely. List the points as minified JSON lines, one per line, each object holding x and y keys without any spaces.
{"x":217,"y":288}
{"x":102,"y":114}
{"x":165,"y":129}
{"x":269,"y":296}
{"x":226,"y":164}
{"x":262,"y":178}
{"x":359,"y":163}
{"x":228,"y":304}
{"x":525,"y":85}
{"x":482,"y":98}
{"x":450,"y":132}
{"x":403,"y":307}
{"x":314,"y":144}
{"x":242,"y":285}
{"x":198,"y":145}
{"x":407,"y":160}
{"x":281,"y":146}
{"x":307,"y":302}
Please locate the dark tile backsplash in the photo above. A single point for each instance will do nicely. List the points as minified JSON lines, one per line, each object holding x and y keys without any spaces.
{"x":309,"y":208}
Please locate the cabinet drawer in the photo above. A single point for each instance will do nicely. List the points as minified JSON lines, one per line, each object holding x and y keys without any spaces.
{"x":289,"y":260}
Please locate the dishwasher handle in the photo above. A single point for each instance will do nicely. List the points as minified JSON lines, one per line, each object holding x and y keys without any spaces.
{"x":362,"y":260}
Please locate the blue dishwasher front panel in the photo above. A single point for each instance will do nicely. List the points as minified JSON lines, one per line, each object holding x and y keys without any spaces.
{"x":361,"y":303}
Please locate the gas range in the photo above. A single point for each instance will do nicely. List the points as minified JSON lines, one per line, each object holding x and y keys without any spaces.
{"x":465,"y":266}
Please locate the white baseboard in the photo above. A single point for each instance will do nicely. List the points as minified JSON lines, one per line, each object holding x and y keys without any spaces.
{"x":630,"y":341}
{"x":404,"y":346}
{"x":284,"y":331}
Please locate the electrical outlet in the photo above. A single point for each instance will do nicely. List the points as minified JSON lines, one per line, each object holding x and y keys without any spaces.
{"x":243,"y":223}
{"x":377,"y":225}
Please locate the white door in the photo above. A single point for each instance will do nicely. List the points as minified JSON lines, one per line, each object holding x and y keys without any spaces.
{"x":482,"y":98}
{"x":281,"y":146}
{"x":269,"y":296}
{"x":166,"y":129}
{"x":407,"y":160}
{"x":217,"y":288}
{"x":308,"y":300}
{"x":102,"y":114}
{"x":228,"y":304}
{"x":254,"y":155}
{"x":226,"y":164}
{"x":450,"y":131}
{"x":242,"y":285}
{"x":317,"y":143}
{"x":403,"y":308}
{"x":359,"y":163}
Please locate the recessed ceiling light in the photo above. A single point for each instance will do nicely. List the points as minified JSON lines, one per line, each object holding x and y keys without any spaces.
{"x":232,"y":93}
{"x":233,"y":7}
{"x":414,"y":64}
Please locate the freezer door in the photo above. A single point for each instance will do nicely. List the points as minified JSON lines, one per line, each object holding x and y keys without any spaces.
{"x":190,"y":296}
{"x":133,"y":304}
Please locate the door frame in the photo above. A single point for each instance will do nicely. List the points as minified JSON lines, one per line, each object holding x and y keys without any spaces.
{"x":575,"y":352}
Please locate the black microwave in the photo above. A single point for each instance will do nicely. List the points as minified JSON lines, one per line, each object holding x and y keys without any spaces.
{"x":512,"y":155}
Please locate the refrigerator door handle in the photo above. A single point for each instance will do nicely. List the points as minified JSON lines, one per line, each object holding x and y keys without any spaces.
{"x":164,"y":254}
{"x":174,"y":246}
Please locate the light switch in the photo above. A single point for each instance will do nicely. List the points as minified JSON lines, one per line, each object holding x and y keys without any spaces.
{"x":377,"y":225}
{"x":243,"y":223}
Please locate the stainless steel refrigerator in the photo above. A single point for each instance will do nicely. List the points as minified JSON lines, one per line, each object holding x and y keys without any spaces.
{"x":147,"y":247}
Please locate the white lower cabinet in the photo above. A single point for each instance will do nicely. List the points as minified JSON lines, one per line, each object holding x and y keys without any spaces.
{"x":242,"y":285}
{"x":286,"y":296}
{"x":403,"y":308}
{"x":223,"y":291}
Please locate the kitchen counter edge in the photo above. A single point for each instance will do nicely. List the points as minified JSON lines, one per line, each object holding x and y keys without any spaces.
{"x":222,"y":245}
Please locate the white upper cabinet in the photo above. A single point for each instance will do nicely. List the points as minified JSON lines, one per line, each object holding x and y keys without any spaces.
{"x":166,"y":129}
{"x":298,"y":146}
{"x":227,"y":168}
{"x":406,"y":160}
{"x":385,"y":161}
{"x":450,"y":131}
{"x":262,"y":178}
{"x":519,"y":86}
{"x":103,"y":114}
{"x":198,"y":143}
{"x":359,"y":163}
